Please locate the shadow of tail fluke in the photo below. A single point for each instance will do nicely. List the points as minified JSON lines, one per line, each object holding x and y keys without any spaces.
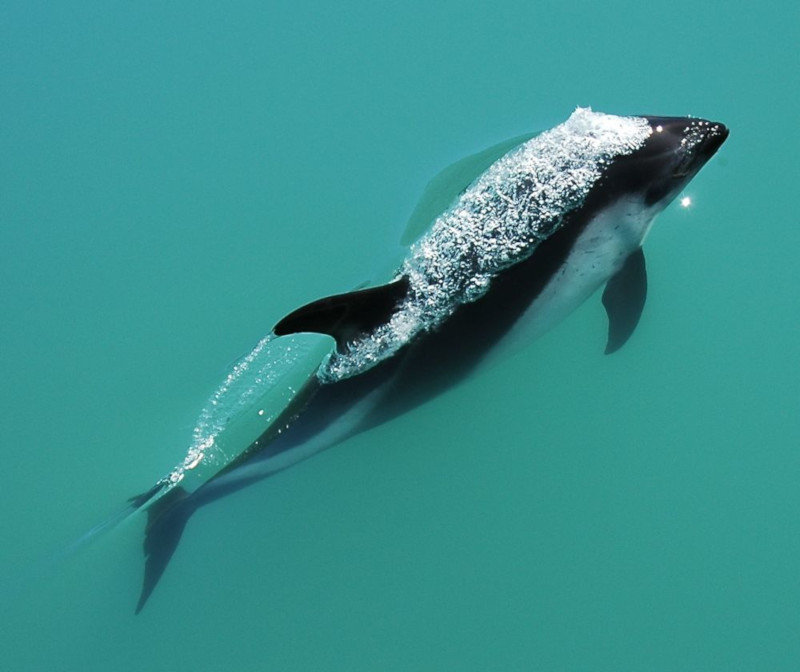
{"x":166,"y":519}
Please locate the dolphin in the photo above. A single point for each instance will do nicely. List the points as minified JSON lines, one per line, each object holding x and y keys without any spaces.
{"x":503,"y":246}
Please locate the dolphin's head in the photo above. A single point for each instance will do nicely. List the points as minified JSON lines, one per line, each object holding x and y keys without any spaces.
{"x":655,"y":173}
{"x":676,"y":150}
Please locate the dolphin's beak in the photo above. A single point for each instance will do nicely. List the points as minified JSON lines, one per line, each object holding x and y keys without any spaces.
{"x":698,"y":140}
{"x":714,"y":137}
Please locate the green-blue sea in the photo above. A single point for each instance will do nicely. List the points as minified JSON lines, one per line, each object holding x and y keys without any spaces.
{"x":177,"y":176}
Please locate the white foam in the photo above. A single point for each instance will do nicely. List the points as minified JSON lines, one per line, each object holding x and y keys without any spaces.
{"x":262,"y":371}
{"x":497,"y":222}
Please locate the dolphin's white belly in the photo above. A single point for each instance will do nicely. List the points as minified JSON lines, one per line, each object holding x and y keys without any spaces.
{"x":598,"y":253}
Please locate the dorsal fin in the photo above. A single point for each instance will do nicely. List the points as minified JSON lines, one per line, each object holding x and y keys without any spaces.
{"x":443,"y":189}
{"x":346,"y":316}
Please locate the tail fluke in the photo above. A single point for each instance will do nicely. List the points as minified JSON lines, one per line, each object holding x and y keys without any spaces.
{"x":166,"y":519}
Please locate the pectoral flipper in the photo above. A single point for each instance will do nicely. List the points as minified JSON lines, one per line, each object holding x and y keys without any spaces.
{"x":624,"y":298}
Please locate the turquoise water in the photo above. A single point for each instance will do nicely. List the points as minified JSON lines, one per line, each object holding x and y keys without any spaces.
{"x":174,"y":177}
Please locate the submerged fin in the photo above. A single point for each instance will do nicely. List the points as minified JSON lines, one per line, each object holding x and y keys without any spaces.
{"x":346,"y":316}
{"x":166,"y":519}
{"x":624,"y":298}
{"x":443,"y":189}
